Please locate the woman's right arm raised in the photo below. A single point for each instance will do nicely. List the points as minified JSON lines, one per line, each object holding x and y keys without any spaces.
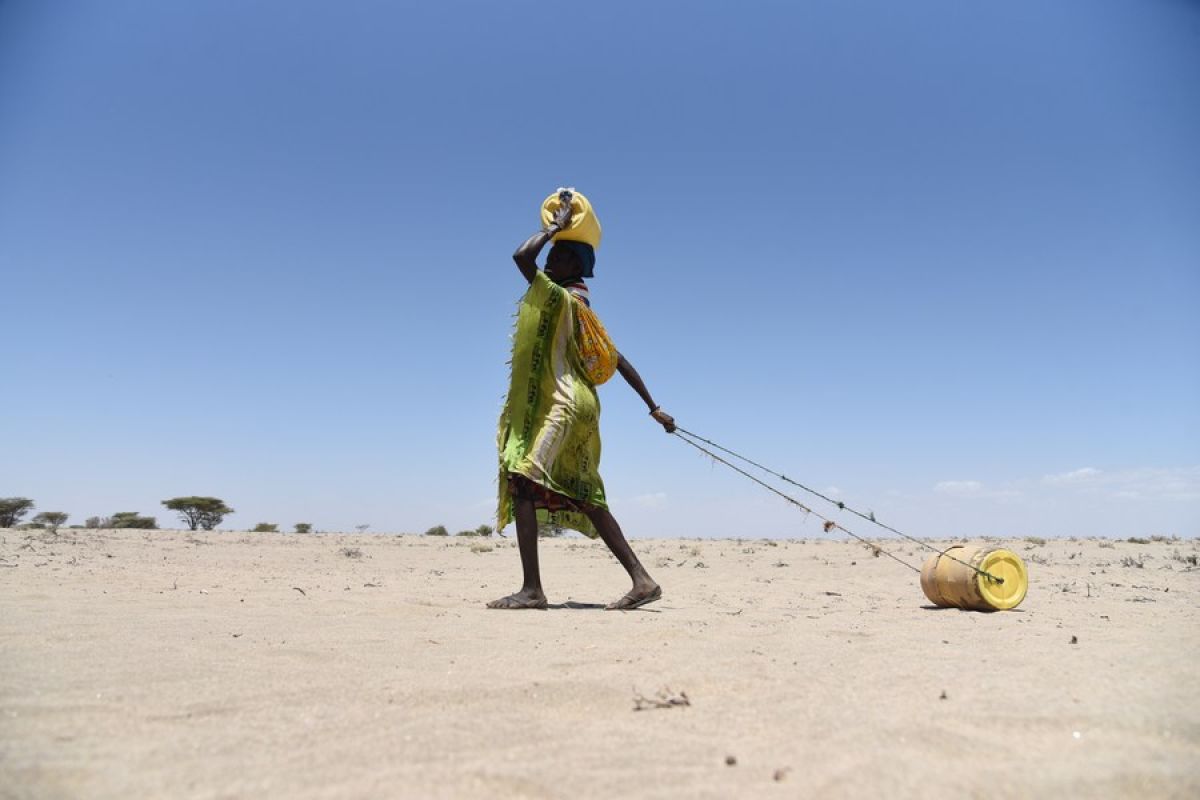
{"x":527,"y":253}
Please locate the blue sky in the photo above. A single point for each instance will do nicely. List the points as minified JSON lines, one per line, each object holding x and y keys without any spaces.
{"x":942,"y":258}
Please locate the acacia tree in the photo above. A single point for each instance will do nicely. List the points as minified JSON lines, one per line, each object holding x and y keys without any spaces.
{"x":51,"y":519}
{"x":12,"y":509}
{"x":199,"y":512}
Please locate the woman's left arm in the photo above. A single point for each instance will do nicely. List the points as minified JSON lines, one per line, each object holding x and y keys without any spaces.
{"x":632,"y":377}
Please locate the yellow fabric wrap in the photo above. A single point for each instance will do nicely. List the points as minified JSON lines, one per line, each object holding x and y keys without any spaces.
{"x":597,"y":354}
{"x":585,"y":225}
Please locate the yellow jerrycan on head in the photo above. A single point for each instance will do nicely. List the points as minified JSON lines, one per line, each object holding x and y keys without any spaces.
{"x":585,"y":225}
{"x":979,"y":578}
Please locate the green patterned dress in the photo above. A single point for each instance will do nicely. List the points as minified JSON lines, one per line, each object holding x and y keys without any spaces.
{"x":549,"y":430}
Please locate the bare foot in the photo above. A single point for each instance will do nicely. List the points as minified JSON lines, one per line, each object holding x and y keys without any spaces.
{"x":526,"y":598}
{"x":637,"y":597}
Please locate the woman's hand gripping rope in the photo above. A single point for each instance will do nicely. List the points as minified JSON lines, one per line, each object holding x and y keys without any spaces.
{"x":664,"y":419}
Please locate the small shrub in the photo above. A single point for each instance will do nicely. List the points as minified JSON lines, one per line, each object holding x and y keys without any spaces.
{"x":351,"y":552}
{"x":1137,"y":540}
{"x":437,"y":530}
{"x":1130,"y":561}
{"x":549,"y":530}
{"x":1107,"y":545}
{"x":303,"y":527}
{"x":1159,"y":538}
{"x":481,"y":547}
{"x":265,"y":527}
{"x":1037,"y":541}
{"x":132,"y":519}
{"x":466,"y":533}
{"x":1191,"y":560}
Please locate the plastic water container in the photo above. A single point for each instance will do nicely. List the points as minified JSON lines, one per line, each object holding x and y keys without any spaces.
{"x":951,"y":582}
{"x":585,"y":225}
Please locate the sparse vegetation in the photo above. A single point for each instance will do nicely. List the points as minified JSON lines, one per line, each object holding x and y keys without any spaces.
{"x":265,"y":527}
{"x":484,"y":530}
{"x":92,"y":522}
{"x":199,"y":512}
{"x":481,"y":547}
{"x":1037,"y":541}
{"x":1192,"y":560}
{"x":12,"y":509}
{"x":1130,"y":561}
{"x":51,"y":519}
{"x":351,"y":552}
{"x":1137,"y":540}
{"x":549,"y":530}
{"x":1107,"y":545}
{"x":437,"y":530}
{"x":132,"y":519}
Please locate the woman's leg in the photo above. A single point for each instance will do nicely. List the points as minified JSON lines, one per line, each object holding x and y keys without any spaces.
{"x":645,"y":589}
{"x":531,"y":594}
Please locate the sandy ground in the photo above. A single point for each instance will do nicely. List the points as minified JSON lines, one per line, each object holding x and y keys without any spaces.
{"x":141,"y":664}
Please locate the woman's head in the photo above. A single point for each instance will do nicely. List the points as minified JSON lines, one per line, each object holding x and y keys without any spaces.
{"x":569,"y":260}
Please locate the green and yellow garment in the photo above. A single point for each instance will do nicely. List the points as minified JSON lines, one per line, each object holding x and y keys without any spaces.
{"x":549,"y":430}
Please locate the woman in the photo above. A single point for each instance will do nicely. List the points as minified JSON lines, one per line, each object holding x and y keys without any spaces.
{"x":549,"y":436}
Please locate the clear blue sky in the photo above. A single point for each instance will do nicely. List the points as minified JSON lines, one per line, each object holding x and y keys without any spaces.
{"x":940,"y":257}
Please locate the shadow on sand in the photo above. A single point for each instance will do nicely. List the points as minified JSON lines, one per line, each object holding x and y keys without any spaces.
{"x":571,"y":605}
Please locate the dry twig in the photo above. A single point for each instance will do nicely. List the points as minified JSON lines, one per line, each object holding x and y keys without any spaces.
{"x":663,"y":698}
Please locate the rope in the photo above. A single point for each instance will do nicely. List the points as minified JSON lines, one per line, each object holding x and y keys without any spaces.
{"x":688,"y":437}
{"x":829,"y":524}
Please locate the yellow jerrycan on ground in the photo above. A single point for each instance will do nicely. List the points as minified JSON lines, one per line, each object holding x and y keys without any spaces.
{"x":585,"y":225}
{"x":979,"y":578}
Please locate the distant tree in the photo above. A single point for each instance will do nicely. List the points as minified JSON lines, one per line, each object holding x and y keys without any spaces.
{"x":12,"y":509}
{"x":199,"y":512}
{"x":437,"y":530}
{"x":484,"y":530}
{"x":92,"y":522}
{"x":303,"y":527}
{"x":467,"y":533}
{"x":550,"y":529}
{"x":265,"y":527}
{"x":52,"y":519}
{"x":132,"y":519}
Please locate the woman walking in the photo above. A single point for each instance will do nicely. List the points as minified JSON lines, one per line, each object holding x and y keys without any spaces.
{"x":549,"y":434}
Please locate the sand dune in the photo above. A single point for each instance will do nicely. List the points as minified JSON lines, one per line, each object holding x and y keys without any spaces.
{"x":143,"y":664}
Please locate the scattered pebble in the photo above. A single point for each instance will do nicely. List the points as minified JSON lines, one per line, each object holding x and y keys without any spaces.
{"x":944,"y":696}
{"x":1074,"y":640}
{"x":730,"y":761}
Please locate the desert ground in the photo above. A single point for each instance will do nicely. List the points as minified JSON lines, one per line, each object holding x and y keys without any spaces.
{"x":169,"y":664}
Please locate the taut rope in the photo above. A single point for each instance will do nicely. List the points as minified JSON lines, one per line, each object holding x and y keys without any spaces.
{"x":693,"y":439}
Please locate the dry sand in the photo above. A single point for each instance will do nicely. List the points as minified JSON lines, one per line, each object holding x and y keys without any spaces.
{"x":142,"y":664}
